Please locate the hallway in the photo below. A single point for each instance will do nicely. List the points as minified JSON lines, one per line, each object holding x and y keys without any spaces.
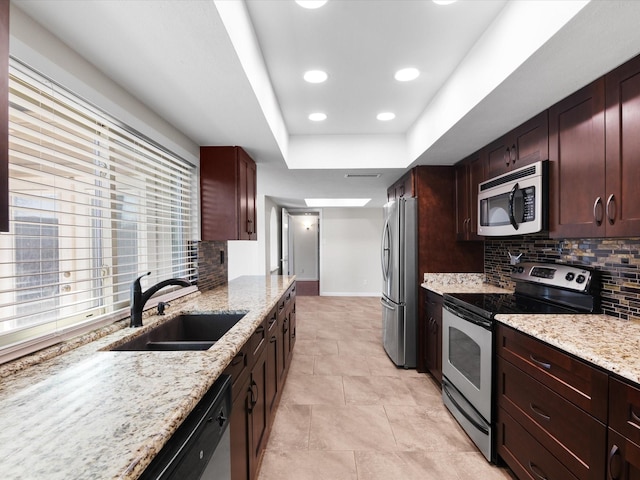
{"x":347,"y":413}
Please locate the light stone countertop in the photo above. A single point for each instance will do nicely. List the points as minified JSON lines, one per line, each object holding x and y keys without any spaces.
{"x":442,"y":283}
{"x":603,"y":340}
{"x":89,"y":413}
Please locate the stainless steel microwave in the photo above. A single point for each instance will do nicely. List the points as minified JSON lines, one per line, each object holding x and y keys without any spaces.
{"x":515,"y":203}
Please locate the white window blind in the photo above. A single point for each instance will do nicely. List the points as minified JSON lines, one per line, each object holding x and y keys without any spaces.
{"x":93,"y":205}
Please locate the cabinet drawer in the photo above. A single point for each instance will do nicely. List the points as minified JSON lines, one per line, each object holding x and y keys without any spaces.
{"x":238,"y":370}
{"x":575,"y":380}
{"x":624,"y":409}
{"x":623,"y":458}
{"x":573,"y":436}
{"x":525,"y":456}
{"x":257,"y":342}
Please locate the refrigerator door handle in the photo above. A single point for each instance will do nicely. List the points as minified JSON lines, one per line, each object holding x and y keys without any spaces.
{"x":386,"y":304}
{"x":385,"y":254}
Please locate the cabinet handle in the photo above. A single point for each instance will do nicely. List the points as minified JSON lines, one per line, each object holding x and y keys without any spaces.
{"x":615,"y":452}
{"x":252,"y":398}
{"x":597,"y":203}
{"x":259,"y":330}
{"x":272,"y":321}
{"x":635,"y":418}
{"x":249,"y":227}
{"x":285,"y":328}
{"x":536,"y":471}
{"x":539,"y":412}
{"x":545,"y":365}
{"x":506,"y":157}
{"x":237,"y":359}
{"x":273,"y":339}
{"x":611,"y":201}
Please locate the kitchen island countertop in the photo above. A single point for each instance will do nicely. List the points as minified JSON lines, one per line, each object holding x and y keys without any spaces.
{"x":94,"y":413}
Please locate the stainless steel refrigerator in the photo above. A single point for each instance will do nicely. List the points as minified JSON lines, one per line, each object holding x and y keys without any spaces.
{"x":400,"y":281}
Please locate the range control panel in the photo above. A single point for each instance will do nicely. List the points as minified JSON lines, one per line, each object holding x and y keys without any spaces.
{"x":554,"y":275}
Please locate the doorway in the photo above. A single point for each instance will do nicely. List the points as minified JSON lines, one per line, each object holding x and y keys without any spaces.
{"x":301,"y":249}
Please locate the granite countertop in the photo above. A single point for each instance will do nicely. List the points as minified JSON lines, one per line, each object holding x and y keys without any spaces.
{"x":93,"y":413}
{"x":602,"y":340}
{"x":442,"y":283}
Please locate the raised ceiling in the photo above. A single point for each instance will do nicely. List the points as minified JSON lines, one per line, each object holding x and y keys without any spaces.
{"x":229,"y":72}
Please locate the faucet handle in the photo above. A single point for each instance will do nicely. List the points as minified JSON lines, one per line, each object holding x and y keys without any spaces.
{"x":162,"y":306}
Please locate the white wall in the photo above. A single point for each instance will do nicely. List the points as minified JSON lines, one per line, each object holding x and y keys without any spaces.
{"x":350,"y":251}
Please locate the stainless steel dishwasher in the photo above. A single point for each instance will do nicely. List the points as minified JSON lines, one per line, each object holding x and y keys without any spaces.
{"x":200,"y":448}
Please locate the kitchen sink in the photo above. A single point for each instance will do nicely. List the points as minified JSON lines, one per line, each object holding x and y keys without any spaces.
{"x":193,"y":331}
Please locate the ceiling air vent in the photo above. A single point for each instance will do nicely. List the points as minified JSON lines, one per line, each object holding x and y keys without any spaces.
{"x":362,"y":175}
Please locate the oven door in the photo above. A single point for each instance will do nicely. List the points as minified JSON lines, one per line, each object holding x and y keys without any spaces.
{"x":467,"y":356}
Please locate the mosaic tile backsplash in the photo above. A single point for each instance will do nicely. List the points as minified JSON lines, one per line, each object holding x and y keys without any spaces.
{"x":618,"y":261}
{"x":212,"y":265}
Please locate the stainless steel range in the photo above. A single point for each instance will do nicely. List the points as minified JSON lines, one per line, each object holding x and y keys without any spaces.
{"x":468,"y":336}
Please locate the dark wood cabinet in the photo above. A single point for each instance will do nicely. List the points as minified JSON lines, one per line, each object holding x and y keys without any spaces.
{"x":468,"y":175}
{"x":552,"y":410}
{"x":433,"y":333}
{"x":576,"y":164}
{"x":258,"y":375}
{"x":4,"y":115}
{"x":402,"y":187}
{"x":525,"y":144}
{"x":622,"y":123}
{"x":227,"y":194}
{"x":623,"y":454}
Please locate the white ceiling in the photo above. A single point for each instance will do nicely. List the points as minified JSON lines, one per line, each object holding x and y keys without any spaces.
{"x":228,"y":72}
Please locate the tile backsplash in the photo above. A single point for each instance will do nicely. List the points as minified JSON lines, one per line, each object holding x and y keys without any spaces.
{"x":212,"y":265}
{"x":618,"y":261}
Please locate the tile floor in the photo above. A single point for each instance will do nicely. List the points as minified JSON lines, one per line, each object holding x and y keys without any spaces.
{"x":347,"y":413}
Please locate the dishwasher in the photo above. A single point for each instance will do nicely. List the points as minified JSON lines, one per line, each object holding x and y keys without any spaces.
{"x":200,"y":447}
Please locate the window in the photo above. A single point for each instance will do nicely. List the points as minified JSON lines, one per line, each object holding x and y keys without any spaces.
{"x":93,"y":205}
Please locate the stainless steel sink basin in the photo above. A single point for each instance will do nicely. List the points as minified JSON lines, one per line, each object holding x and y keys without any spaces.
{"x":184,"y":332}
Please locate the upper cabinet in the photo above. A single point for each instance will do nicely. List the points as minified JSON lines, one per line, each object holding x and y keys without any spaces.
{"x":227,"y":194}
{"x":622,"y":120}
{"x":469,"y":174}
{"x":523,"y":145}
{"x":402,"y":187}
{"x":4,"y":115}
{"x":576,"y":164}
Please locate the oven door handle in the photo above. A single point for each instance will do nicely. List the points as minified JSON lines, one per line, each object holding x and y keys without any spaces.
{"x":472,"y":420}
{"x":512,"y":216}
{"x":469,"y":316}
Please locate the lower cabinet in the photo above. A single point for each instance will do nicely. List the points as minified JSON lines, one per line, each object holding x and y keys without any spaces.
{"x":623,"y":455}
{"x":432,"y":332}
{"x":258,"y":374}
{"x":551,"y":411}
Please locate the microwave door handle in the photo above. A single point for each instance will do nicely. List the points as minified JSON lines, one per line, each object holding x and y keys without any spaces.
{"x":512,"y":217}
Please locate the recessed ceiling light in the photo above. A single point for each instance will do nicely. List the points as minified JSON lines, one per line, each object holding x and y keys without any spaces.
{"x":318,"y":117}
{"x":315,"y":76}
{"x":407,"y":74}
{"x":336,"y":202}
{"x":311,"y":4}
{"x":386,"y":116}
{"x":444,"y":2}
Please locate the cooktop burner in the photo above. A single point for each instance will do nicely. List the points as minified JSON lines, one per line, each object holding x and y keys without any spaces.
{"x":490,"y":304}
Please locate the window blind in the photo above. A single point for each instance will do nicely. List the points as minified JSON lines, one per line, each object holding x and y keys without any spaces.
{"x":93,"y":205}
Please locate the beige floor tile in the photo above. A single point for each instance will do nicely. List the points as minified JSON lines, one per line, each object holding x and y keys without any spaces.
{"x":301,"y":363}
{"x":313,"y":390}
{"x":307,"y":465}
{"x":291,"y":428}
{"x":420,"y":428}
{"x":350,"y":428}
{"x":377,"y":391}
{"x":405,"y":466}
{"x":360,"y":347}
{"x":473,"y":466}
{"x":345,"y":365}
{"x":319,"y":346}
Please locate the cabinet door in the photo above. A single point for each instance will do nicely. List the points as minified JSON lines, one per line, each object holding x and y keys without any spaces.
{"x":576,"y":164}
{"x":258,"y":413}
{"x":246,"y":196}
{"x":623,"y":458}
{"x":239,"y":433}
{"x":463,"y":191}
{"x":622,"y":208}
{"x":525,"y":144}
{"x":274,"y":358}
{"x":434,"y":335}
